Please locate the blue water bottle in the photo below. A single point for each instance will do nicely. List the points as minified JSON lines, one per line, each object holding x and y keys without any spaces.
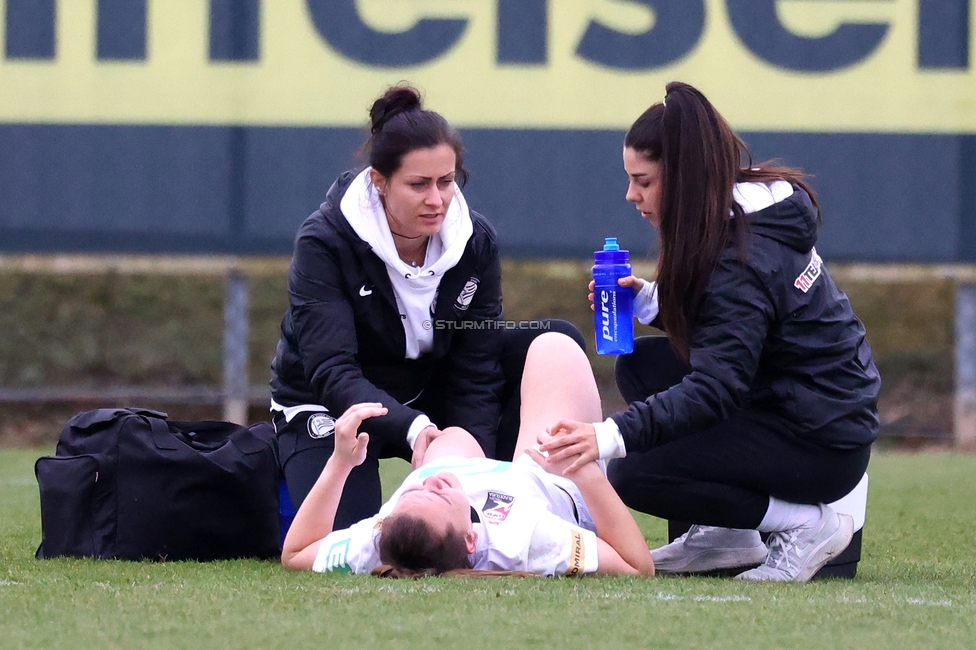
{"x":613,"y":305}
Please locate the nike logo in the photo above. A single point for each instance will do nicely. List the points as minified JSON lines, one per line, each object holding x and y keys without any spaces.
{"x":363,"y":291}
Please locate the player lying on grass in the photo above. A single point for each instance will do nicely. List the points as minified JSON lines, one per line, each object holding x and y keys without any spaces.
{"x":460,"y":510}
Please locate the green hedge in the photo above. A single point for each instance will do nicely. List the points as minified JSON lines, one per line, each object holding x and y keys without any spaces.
{"x":146,"y":329}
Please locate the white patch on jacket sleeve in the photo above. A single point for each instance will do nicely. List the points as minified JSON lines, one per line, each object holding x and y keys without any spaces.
{"x":467,"y":293}
{"x":811,"y":273}
{"x":320,"y":426}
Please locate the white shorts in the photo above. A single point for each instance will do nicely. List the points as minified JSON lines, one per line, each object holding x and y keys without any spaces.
{"x":564,"y":497}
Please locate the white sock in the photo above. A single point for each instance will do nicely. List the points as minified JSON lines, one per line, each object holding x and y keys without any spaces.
{"x":783,"y":515}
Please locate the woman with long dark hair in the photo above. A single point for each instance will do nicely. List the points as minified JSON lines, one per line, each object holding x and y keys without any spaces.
{"x":395,"y":298}
{"x":760,"y":405}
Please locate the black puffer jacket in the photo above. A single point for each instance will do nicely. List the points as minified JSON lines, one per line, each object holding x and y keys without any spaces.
{"x":342,"y":341}
{"x":775,"y":340}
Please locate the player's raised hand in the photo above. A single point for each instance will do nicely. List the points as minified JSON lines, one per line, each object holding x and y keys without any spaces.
{"x":350,"y":444}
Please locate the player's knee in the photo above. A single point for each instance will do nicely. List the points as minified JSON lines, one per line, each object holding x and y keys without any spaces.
{"x":555,"y":345}
{"x":565,"y":327}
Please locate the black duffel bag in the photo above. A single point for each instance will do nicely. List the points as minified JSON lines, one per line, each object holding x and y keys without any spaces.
{"x":128,"y":484}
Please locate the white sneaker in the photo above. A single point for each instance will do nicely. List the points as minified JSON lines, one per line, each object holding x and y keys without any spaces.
{"x":709,"y":548}
{"x":796,"y":555}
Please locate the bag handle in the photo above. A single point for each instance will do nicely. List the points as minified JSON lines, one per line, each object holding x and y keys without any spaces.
{"x":101,"y":417}
{"x":162,"y":436}
{"x":241,"y":437}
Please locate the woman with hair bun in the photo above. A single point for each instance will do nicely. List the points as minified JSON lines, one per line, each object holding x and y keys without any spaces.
{"x":395,"y":298}
{"x":760,"y":405}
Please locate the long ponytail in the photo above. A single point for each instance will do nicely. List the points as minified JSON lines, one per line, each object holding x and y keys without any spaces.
{"x":701,"y":160}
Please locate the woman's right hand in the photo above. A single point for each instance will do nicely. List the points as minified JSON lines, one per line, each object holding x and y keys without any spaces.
{"x":427,"y":436}
{"x":631,"y":281}
{"x":570,"y":445}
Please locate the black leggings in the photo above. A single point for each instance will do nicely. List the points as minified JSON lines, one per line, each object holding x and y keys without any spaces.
{"x":722,"y":476}
{"x":303,"y":457}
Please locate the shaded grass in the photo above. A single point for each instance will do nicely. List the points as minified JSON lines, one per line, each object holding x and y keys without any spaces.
{"x":916,"y":587}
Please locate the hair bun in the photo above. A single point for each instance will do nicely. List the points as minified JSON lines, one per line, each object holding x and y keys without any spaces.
{"x":396,"y":100}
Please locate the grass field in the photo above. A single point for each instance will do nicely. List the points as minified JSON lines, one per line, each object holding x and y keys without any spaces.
{"x":916,"y":588}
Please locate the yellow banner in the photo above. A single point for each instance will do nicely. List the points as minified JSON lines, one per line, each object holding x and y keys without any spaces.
{"x":772,"y":65}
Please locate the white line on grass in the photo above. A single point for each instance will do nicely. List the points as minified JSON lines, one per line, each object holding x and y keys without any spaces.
{"x":703,"y":599}
{"x":861,"y":600}
{"x":929,"y":603}
{"x":668,"y":597}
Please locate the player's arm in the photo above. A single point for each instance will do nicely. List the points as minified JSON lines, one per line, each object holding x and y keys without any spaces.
{"x":611,"y":564}
{"x":627,"y":551}
{"x":316,"y":516}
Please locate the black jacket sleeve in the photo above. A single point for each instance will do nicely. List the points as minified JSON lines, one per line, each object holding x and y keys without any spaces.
{"x":323,"y":322}
{"x":472,"y":368}
{"x":726,"y":344}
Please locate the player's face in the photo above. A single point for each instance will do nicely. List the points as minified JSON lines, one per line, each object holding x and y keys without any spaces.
{"x":440,"y":501}
{"x":418,"y":194}
{"x":645,"y":184}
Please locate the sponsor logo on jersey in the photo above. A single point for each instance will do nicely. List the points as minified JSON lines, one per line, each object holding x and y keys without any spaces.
{"x":577,"y":555}
{"x":467,"y":293}
{"x":811,"y":273}
{"x":497,"y":506}
{"x":321,"y":425}
{"x":338,"y":557}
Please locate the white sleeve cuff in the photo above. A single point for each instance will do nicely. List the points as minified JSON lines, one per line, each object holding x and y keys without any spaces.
{"x":591,"y":556}
{"x":645,"y":303}
{"x":608,"y":439}
{"x":419,"y":424}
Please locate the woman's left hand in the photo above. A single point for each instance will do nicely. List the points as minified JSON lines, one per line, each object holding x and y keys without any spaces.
{"x":568,"y":439}
{"x":426,"y":436}
{"x":631,"y":281}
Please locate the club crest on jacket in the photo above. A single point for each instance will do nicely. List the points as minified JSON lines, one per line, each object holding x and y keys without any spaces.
{"x":321,"y":425}
{"x":467,"y":293}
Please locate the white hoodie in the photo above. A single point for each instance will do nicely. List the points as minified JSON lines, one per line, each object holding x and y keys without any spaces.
{"x":415,"y":288}
{"x":751,"y":197}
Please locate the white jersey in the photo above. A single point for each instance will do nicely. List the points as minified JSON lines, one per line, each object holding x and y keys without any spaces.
{"x":530,"y":521}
